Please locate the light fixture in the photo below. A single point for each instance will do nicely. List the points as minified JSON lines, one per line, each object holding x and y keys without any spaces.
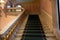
{"x":1,"y":1}
{"x":8,"y":6}
{"x":18,"y":6}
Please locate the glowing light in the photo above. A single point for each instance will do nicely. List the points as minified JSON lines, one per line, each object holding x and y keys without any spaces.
{"x":2,"y":1}
{"x":19,"y":6}
{"x":8,"y":6}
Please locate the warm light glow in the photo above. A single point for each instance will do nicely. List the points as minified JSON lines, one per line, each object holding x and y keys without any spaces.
{"x":19,"y":6}
{"x":2,"y":1}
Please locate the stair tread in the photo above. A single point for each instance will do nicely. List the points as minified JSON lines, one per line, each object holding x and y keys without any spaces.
{"x":34,"y":31}
{"x":51,"y":38}
{"x":33,"y":38}
{"x":49,"y":34}
{"x":17,"y":38}
{"x":48,"y":31}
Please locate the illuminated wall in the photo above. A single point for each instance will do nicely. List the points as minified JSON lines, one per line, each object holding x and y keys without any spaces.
{"x":2,"y":3}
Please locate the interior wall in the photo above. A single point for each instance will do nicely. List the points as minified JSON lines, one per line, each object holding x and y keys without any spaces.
{"x":55,"y":19}
{"x":47,"y":6}
{"x":33,"y":7}
{"x":46,"y":13}
{"x":3,"y":4}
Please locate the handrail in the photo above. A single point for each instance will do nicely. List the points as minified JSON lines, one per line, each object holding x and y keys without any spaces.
{"x":14,"y":9}
{"x":8,"y":34}
{"x":20,"y":20}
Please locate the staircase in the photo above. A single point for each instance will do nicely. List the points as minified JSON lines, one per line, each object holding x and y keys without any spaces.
{"x":49,"y":34}
{"x":33,"y":30}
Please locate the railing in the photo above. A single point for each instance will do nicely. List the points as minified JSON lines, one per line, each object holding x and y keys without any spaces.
{"x":13,"y":10}
{"x":9,"y":32}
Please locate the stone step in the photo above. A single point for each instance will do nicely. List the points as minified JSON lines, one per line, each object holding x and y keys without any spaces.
{"x":33,"y":38}
{"x":49,"y":35}
{"x":51,"y":38}
{"x":21,"y":31}
{"x":17,"y":38}
{"x":33,"y":31}
{"x":18,"y":35}
{"x":48,"y":31}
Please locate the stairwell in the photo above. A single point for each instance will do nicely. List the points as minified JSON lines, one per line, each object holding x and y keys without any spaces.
{"x":32,"y":30}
